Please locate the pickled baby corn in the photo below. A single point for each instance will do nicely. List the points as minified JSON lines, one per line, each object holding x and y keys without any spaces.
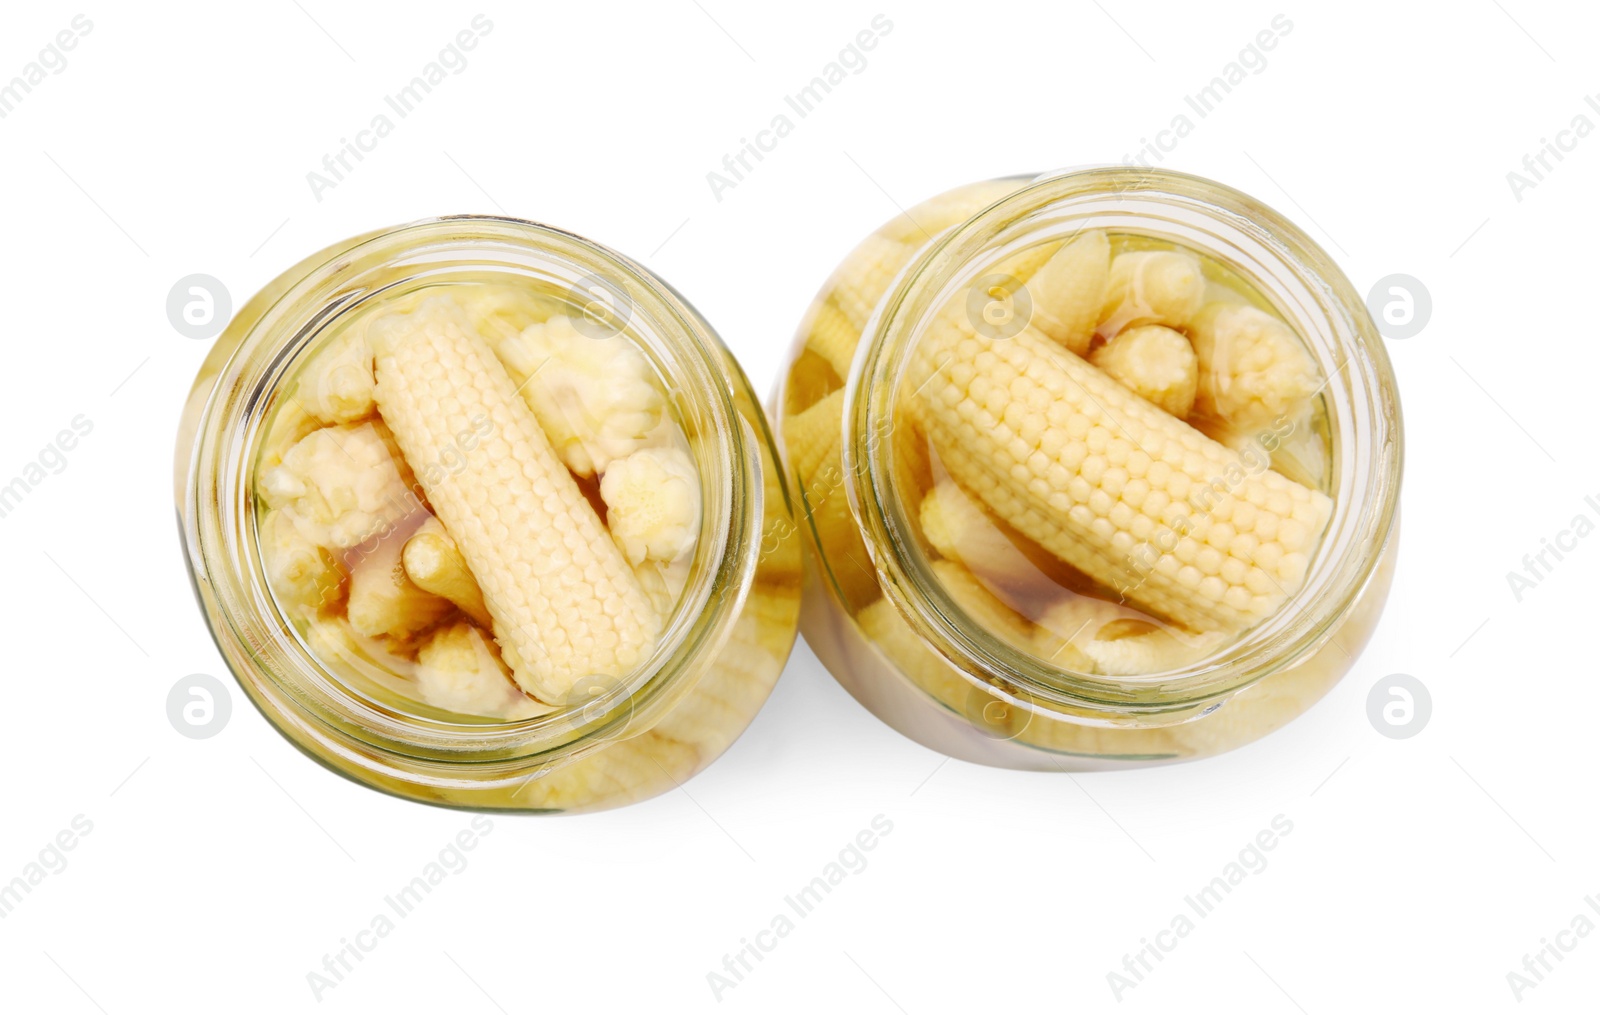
{"x":1154,"y":362}
{"x":1253,"y":369}
{"x":1067,"y":290}
{"x":1152,"y":287}
{"x":384,"y":600}
{"x":564,"y":602}
{"x":434,"y":562}
{"x":1104,"y":480}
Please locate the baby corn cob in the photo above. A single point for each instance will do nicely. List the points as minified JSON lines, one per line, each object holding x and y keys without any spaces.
{"x":1152,"y":287}
{"x":383,"y":600}
{"x":1252,"y":367}
{"x":865,"y":276}
{"x":1069,"y":289}
{"x":1016,"y":571}
{"x":980,"y":604}
{"x":564,"y":602}
{"x":833,"y":337}
{"x":1126,"y":493}
{"x":434,"y":562}
{"x":1154,"y":362}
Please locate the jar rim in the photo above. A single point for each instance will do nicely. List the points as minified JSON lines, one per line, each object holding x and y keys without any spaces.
{"x":235,"y":397}
{"x":1361,"y":387}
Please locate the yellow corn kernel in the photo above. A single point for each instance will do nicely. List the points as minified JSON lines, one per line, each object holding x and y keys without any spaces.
{"x":1135,"y":498}
{"x":1253,"y":369}
{"x":564,"y":603}
{"x":1155,"y":363}
{"x":1152,"y":287}
{"x":1069,"y":289}
{"x":434,"y":562}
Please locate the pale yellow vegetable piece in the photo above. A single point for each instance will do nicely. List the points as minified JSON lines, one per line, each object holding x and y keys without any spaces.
{"x":863,"y":278}
{"x":933,"y":216}
{"x":383,"y":600}
{"x":961,"y":530}
{"x":1068,"y":624}
{"x":653,"y":504}
{"x":1253,"y":368}
{"x":1152,"y":287}
{"x":500,"y":312}
{"x":565,"y":604}
{"x":812,"y":441}
{"x":861,"y":281}
{"x":663,"y":583}
{"x":595,"y":397}
{"x":301,"y":573}
{"x":1115,"y":640}
{"x":459,"y":670}
{"x":434,"y":562}
{"x":833,"y":337}
{"x":336,"y":384}
{"x":1069,"y":290}
{"x":1131,"y":648}
{"x":342,"y":485}
{"x":1155,"y":363}
{"x":1136,"y":499}
{"x":980,"y":604}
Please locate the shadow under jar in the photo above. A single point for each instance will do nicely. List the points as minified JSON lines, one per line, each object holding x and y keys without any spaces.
{"x":483,"y":514}
{"x":1097,"y":469}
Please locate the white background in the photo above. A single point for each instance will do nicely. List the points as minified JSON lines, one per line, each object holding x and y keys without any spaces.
{"x":219,"y":872}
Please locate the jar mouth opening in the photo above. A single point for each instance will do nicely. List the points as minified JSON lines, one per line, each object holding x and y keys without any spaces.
{"x":221,"y":496}
{"x":1307,"y":289}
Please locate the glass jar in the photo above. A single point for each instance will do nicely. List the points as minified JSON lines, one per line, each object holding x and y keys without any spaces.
{"x":350,"y":702}
{"x":936,"y":650}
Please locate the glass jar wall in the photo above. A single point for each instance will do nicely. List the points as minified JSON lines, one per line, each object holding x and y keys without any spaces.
{"x":1095,"y":469}
{"x":484,"y":514}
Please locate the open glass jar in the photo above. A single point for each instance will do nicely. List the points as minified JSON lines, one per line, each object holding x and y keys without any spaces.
{"x":1096,"y":469}
{"x":484,"y":514}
